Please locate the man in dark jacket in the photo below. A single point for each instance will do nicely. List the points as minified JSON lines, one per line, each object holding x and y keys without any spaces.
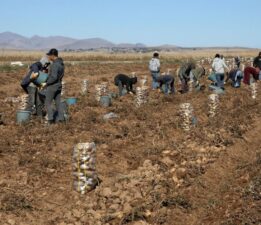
{"x":30,"y":86}
{"x":53,"y":86}
{"x":124,"y":81}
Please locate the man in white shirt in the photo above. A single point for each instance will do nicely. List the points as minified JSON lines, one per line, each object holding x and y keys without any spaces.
{"x":219,"y":67}
{"x":154,"y":67}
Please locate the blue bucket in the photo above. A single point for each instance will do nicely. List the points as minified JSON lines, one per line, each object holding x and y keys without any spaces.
{"x":105,"y":101}
{"x":212,"y":77}
{"x":71,"y":101}
{"x":42,"y":78}
{"x":23,"y":116}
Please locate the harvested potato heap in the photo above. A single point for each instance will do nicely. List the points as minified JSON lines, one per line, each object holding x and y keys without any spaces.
{"x":213,"y":102}
{"x":84,"y":167}
{"x":142,"y":188}
{"x":84,"y":87}
{"x":190,"y":85}
{"x":254,"y":90}
{"x":24,"y":102}
{"x":143,"y":81}
{"x":186,"y":114}
{"x":101,"y":90}
{"x":142,"y":95}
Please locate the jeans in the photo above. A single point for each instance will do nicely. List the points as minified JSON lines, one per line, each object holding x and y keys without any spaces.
{"x":155,"y":83}
{"x":169,"y":86}
{"x":236,"y":82}
{"x":220,"y":80}
{"x":53,"y":92}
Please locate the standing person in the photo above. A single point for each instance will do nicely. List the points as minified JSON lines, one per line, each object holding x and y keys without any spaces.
{"x":53,"y":87}
{"x":31,"y":87}
{"x":219,"y":67}
{"x":154,"y":67}
{"x":257,"y":64}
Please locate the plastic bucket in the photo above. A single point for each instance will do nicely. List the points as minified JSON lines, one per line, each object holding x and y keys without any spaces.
{"x":23,"y":116}
{"x":71,"y":101}
{"x":212,"y":77}
{"x":42,"y":78}
{"x":105,"y":101}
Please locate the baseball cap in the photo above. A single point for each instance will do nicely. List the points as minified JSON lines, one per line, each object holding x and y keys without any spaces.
{"x":53,"y":51}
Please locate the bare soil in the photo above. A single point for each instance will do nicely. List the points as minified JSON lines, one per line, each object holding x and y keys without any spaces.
{"x":151,"y":171}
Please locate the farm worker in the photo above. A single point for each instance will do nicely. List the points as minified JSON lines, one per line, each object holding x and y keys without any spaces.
{"x":185,"y":75}
{"x":219,"y":67}
{"x":168,"y":82}
{"x":257,"y":64}
{"x":197,"y":74}
{"x":235,"y":75}
{"x":30,"y":86}
{"x":250,"y":71}
{"x":53,"y":87}
{"x":237,"y":62}
{"x":122,"y":80}
{"x":154,"y":67}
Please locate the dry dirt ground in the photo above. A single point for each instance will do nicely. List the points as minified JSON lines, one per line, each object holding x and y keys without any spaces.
{"x":151,"y":171}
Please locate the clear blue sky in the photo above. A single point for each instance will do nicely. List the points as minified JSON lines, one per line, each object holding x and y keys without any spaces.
{"x":180,"y":22}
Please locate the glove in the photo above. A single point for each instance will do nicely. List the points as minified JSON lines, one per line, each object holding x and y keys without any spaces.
{"x":43,"y":85}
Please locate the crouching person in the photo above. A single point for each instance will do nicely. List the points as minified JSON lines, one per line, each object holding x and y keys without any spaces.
{"x":53,"y":87}
{"x":123,"y":81}
{"x":185,"y":75}
{"x":30,"y":86}
{"x":235,"y":75}
{"x":250,"y":73}
{"x":168,"y":82}
{"x":197,"y":74}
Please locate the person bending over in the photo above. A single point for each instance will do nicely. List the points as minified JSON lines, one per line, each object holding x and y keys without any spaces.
{"x":122,"y":80}
{"x":168,"y":82}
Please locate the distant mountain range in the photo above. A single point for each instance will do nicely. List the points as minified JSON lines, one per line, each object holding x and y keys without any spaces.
{"x":9,"y":40}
